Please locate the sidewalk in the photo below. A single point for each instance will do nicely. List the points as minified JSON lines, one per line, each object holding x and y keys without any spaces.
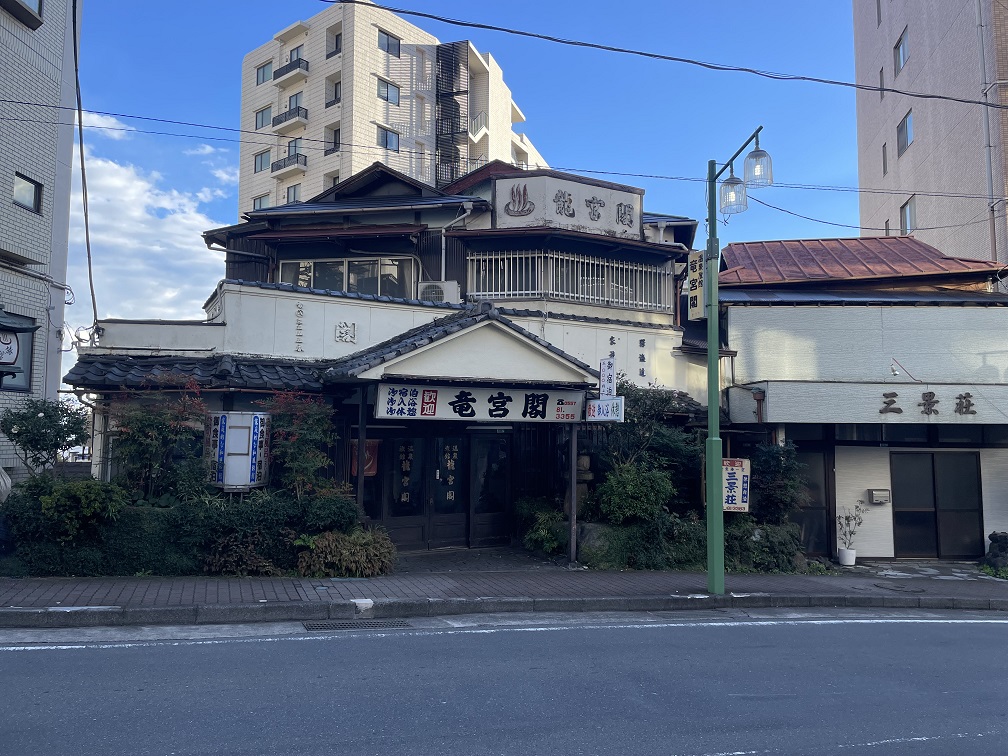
{"x":477,"y":581}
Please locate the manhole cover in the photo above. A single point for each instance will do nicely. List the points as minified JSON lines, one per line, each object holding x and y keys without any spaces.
{"x":356,"y":625}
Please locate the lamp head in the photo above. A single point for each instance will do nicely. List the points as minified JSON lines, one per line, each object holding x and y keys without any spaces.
{"x":733,"y":194}
{"x":894,"y":371}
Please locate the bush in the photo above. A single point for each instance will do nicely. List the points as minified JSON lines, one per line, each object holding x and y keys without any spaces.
{"x":244,"y":554}
{"x":633,"y":494}
{"x":301,"y":431}
{"x":750,"y":546}
{"x":76,"y":508}
{"x":542,"y":535}
{"x":778,"y":486}
{"x":144,"y":540}
{"x":666,"y":542}
{"x":43,"y":429}
{"x":362,"y":553}
{"x":328,"y":509}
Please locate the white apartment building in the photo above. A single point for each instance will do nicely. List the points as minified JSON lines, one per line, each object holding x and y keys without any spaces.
{"x":928,"y":158}
{"x":36,"y":155}
{"x":354,"y":85}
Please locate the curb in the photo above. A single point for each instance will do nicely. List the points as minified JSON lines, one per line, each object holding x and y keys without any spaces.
{"x":295,"y":611}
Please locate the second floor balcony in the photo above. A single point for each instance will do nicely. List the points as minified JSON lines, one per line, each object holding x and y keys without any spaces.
{"x":291,"y":165}
{"x":296,"y":70}
{"x":293,"y":119}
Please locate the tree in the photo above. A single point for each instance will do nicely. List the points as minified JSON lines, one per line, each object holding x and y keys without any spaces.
{"x":778,"y":487}
{"x":302,"y":430}
{"x":43,"y":429}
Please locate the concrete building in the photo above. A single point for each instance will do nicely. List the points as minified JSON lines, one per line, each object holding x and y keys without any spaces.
{"x":927,"y":157}
{"x":36,"y":152}
{"x":352,"y":85}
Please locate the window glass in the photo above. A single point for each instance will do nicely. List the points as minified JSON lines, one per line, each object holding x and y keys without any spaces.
{"x":905,"y":433}
{"x":293,"y":193}
{"x":853,"y":432}
{"x":294,"y":101}
{"x":904,"y":133}
{"x":262,"y":161}
{"x":362,"y":276}
{"x":334,"y":44}
{"x":329,"y":275}
{"x":803,"y":432}
{"x":960,"y":434}
{"x":296,"y":273}
{"x":397,"y":278}
{"x":27,"y":193}
{"x":996,"y":434}
{"x":388,"y":92}
{"x":296,"y":53}
{"x":388,"y":139}
{"x":900,"y":53}
{"x":908,"y":217}
{"x":388,"y":43}
{"x":264,"y":73}
{"x":261,"y":202}
{"x":264,"y":117}
{"x":294,"y":146}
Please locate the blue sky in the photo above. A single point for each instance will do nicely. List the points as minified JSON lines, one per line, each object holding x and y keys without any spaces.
{"x":151,"y":195}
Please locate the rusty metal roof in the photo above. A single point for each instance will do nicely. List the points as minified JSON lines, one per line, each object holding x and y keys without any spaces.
{"x":811,"y":260}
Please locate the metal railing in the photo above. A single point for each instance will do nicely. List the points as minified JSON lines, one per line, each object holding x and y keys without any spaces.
{"x":331,"y":149}
{"x":290,"y":115}
{"x":571,"y":277}
{"x":292,"y":66}
{"x":331,"y":53}
{"x":296,"y":159}
{"x":333,"y":101}
{"x":478,"y":122}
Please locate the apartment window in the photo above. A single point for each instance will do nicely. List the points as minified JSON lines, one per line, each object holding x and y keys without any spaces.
{"x":878,"y":12}
{"x":28,"y":12}
{"x":294,"y":147}
{"x":388,"y":139}
{"x":27,"y":193}
{"x":388,"y":43}
{"x":262,"y":161}
{"x":881,"y":83}
{"x":264,"y":117}
{"x":264,"y":73}
{"x":900,"y":54}
{"x":885,"y":160}
{"x":293,"y":193}
{"x":388,"y":92}
{"x":335,"y":93}
{"x":332,"y":140}
{"x":294,"y":101}
{"x":296,"y":53}
{"x":335,"y":180}
{"x":908,"y":217}
{"x":334,"y":44}
{"x":887,"y":227}
{"x":904,"y":133}
{"x":261,"y":202}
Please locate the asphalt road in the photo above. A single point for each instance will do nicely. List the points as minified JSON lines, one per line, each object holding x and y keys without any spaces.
{"x":780,"y":684}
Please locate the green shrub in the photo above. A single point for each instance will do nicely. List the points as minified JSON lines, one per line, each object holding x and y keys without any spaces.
{"x":542,"y":535}
{"x":244,"y":554}
{"x":42,"y":429}
{"x":301,"y":432}
{"x":632,"y":494}
{"x":750,"y":546}
{"x":778,"y":486}
{"x":144,"y":540}
{"x":328,"y":509}
{"x":75,"y":508}
{"x":362,"y":553}
{"x":665,"y":542}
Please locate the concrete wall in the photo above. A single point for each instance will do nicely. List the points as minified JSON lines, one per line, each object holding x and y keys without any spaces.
{"x":858,"y":469}
{"x":948,"y":151}
{"x":38,"y":67}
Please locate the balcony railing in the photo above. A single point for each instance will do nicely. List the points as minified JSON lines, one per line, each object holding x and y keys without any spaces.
{"x":331,"y":149}
{"x":331,"y":53}
{"x":296,"y":159}
{"x":477,"y":123}
{"x":290,"y":115}
{"x":536,"y":274}
{"x":334,"y":101}
{"x":294,"y":65}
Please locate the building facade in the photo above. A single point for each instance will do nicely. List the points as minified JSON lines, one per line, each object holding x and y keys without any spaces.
{"x":886,"y":363}
{"x":933,"y":167}
{"x":457,"y":333}
{"x":354,"y":85}
{"x":36,"y":153}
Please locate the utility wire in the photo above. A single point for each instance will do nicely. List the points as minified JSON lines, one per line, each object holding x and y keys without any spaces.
{"x":971,"y":222}
{"x":671,"y":58}
{"x":80,"y":137}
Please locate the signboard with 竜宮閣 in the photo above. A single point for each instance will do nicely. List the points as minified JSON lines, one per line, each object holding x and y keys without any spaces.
{"x":695,"y":286}
{"x":735,"y":475}
{"x":479,"y":404}
{"x":608,"y":409}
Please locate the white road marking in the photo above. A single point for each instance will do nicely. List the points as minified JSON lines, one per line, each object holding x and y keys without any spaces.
{"x":868,"y":744}
{"x":423,"y":632}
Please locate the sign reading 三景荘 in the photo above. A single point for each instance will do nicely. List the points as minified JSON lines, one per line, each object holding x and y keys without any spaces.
{"x":735,"y":475}
{"x":479,"y":404}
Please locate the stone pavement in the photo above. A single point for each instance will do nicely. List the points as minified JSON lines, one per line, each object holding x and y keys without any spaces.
{"x":477,"y":581}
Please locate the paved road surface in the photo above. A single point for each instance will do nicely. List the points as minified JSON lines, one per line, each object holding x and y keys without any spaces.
{"x":717,"y":683}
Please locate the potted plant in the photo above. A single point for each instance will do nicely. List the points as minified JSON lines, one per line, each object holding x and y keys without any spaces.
{"x":847,"y":527}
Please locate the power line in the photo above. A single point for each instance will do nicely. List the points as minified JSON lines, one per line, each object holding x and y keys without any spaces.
{"x":80,"y":136}
{"x":670,"y":58}
{"x":971,"y":222}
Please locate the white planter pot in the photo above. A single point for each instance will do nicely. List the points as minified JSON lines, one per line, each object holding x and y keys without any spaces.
{"x":847,"y":557}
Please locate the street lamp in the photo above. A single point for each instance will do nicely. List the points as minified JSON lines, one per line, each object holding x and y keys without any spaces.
{"x":758,"y":172}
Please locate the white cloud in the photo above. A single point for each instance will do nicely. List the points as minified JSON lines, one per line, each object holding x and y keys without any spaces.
{"x":106,"y":126}
{"x":150,"y":260}
{"x":204,"y":149}
{"x":206,"y":194}
{"x":226,"y":175}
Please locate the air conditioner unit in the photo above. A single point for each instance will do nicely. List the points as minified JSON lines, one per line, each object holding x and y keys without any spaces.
{"x":440,"y":291}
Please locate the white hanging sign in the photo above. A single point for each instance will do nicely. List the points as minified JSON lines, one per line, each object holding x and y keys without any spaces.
{"x":695,"y":286}
{"x":607,"y":377}
{"x":735,"y":479}
{"x":608,"y":409}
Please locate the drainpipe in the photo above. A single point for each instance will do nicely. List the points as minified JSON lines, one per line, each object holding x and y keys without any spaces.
{"x":987,"y":135}
{"x":468,"y":207}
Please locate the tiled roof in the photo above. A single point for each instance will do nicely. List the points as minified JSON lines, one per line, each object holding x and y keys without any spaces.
{"x":222,"y":371}
{"x":811,"y":260}
{"x":428,"y":333}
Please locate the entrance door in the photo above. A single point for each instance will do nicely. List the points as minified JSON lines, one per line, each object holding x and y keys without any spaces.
{"x":937,"y":509}
{"x":447,"y":505}
{"x":490,"y":489}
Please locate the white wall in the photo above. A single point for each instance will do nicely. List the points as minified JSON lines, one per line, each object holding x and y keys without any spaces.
{"x":858,"y":469}
{"x":994,"y":479}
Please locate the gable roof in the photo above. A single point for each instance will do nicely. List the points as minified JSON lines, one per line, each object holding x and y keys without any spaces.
{"x":833,"y":260}
{"x":417,"y":338}
{"x":373,"y":178}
